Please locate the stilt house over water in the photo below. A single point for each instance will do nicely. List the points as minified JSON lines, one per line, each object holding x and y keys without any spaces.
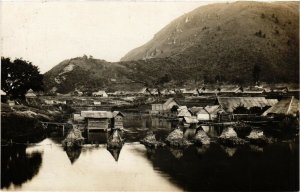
{"x":102,"y":120}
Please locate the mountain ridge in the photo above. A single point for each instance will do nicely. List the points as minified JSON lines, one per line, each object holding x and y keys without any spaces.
{"x":240,"y":42}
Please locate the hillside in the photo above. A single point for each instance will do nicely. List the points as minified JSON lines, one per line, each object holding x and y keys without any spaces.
{"x":225,"y":41}
{"x":83,"y":73}
{"x":231,"y":43}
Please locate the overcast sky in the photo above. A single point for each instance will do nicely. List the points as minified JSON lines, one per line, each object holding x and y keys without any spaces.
{"x":47,"y":33}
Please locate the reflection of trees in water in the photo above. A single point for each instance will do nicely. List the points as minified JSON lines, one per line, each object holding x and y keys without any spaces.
{"x":276,"y":168}
{"x":17,"y":167}
{"x":256,"y":148}
{"x":73,"y":154}
{"x":176,"y":152}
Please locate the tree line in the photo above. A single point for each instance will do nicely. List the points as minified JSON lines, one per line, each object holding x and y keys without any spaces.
{"x":18,"y":76}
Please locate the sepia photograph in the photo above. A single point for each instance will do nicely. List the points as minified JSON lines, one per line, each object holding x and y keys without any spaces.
{"x":149,"y":95}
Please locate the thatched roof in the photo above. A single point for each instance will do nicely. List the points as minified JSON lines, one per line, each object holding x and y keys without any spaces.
{"x":195,"y":110}
{"x":169,"y":101}
{"x":212,"y":109}
{"x":30,"y":93}
{"x":115,"y":113}
{"x":184,"y":113}
{"x":230,"y":103}
{"x":288,"y":106}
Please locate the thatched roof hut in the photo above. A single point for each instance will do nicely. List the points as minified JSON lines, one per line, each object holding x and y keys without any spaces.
{"x":288,"y":106}
{"x":230,"y":103}
{"x":30,"y":94}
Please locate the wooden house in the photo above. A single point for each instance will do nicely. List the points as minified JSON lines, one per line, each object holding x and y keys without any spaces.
{"x":11,"y":103}
{"x":97,"y":120}
{"x":30,"y":95}
{"x":158,"y":108}
{"x":100,"y":94}
{"x":101,"y":120}
{"x":117,"y":121}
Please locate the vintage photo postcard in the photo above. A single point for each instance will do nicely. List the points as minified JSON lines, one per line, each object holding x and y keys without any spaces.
{"x":149,"y":95}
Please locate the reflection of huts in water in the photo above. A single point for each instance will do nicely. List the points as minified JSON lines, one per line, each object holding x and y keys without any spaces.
{"x":285,"y":107}
{"x":202,"y":149}
{"x":73,"y":154}
{"x":176,"y":152}
{"x":115,"y":152}
{"x":230,"y":151}
{"x":256,"y":148}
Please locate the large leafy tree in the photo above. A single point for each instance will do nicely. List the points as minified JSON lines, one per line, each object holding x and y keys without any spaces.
{"x":18,"y":76}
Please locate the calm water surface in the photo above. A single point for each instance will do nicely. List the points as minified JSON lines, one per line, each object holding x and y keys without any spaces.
{"x":134,"y":168}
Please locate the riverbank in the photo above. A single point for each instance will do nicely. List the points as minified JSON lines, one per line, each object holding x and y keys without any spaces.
{"x":22,"y":123}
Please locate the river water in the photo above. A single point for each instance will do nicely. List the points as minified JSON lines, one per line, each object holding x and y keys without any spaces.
{"x":46,"y":166}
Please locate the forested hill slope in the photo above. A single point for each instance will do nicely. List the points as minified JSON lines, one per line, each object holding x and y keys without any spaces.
{"x":230,"y":38}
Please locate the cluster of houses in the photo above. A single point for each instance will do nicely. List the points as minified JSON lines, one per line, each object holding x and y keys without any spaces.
{"x":226,"y":108}
{"x":204,"y":90}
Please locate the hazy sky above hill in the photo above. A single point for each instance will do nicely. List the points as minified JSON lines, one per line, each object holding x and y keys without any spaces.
{"x":46,"y":33}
